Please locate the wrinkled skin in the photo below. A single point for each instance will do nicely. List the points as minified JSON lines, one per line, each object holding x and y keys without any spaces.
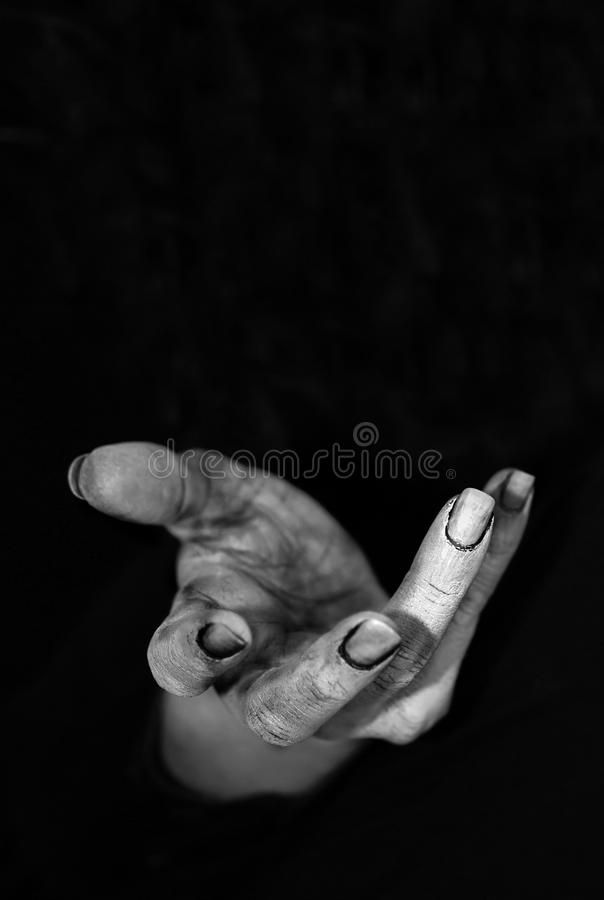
{"x":273,"y":594}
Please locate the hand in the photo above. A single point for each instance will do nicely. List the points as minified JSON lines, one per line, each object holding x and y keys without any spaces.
{"x":278,"y":610}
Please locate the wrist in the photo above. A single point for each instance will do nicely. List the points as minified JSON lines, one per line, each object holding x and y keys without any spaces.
{"x":207,"y":749}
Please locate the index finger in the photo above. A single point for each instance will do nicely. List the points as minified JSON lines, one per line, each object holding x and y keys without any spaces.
{"x":443,"y":569}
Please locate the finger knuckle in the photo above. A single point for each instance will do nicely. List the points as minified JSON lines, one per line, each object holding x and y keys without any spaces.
{"x":317,"y":693}
{"x":269,"y":726}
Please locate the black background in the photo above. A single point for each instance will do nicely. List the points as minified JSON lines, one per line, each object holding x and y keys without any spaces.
{"x":254,"y":225}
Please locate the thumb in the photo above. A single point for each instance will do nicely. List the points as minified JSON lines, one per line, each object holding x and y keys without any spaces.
{"x":140,"y":482}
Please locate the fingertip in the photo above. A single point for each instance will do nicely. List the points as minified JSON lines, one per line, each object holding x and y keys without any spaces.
{"x":218,"y":641}
{"x":369,"y":643}
{"x":125,"y":480}
{"x":469,"y":519}
{"x":184,"y":656}
{"x":494,"y":483}
{"x":516,"y":490}
{"x":512,"y":489}
{"x":73,"y":476}
{"x":224,"y":635}
{"x":292,"y":701}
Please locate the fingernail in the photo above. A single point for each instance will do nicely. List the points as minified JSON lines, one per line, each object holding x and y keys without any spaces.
{"x":469,"y":518}
{"x":369,"y":643}
{"x":73,"y":476}
{"x":218,"y":641}
{"x":515,"y":490}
